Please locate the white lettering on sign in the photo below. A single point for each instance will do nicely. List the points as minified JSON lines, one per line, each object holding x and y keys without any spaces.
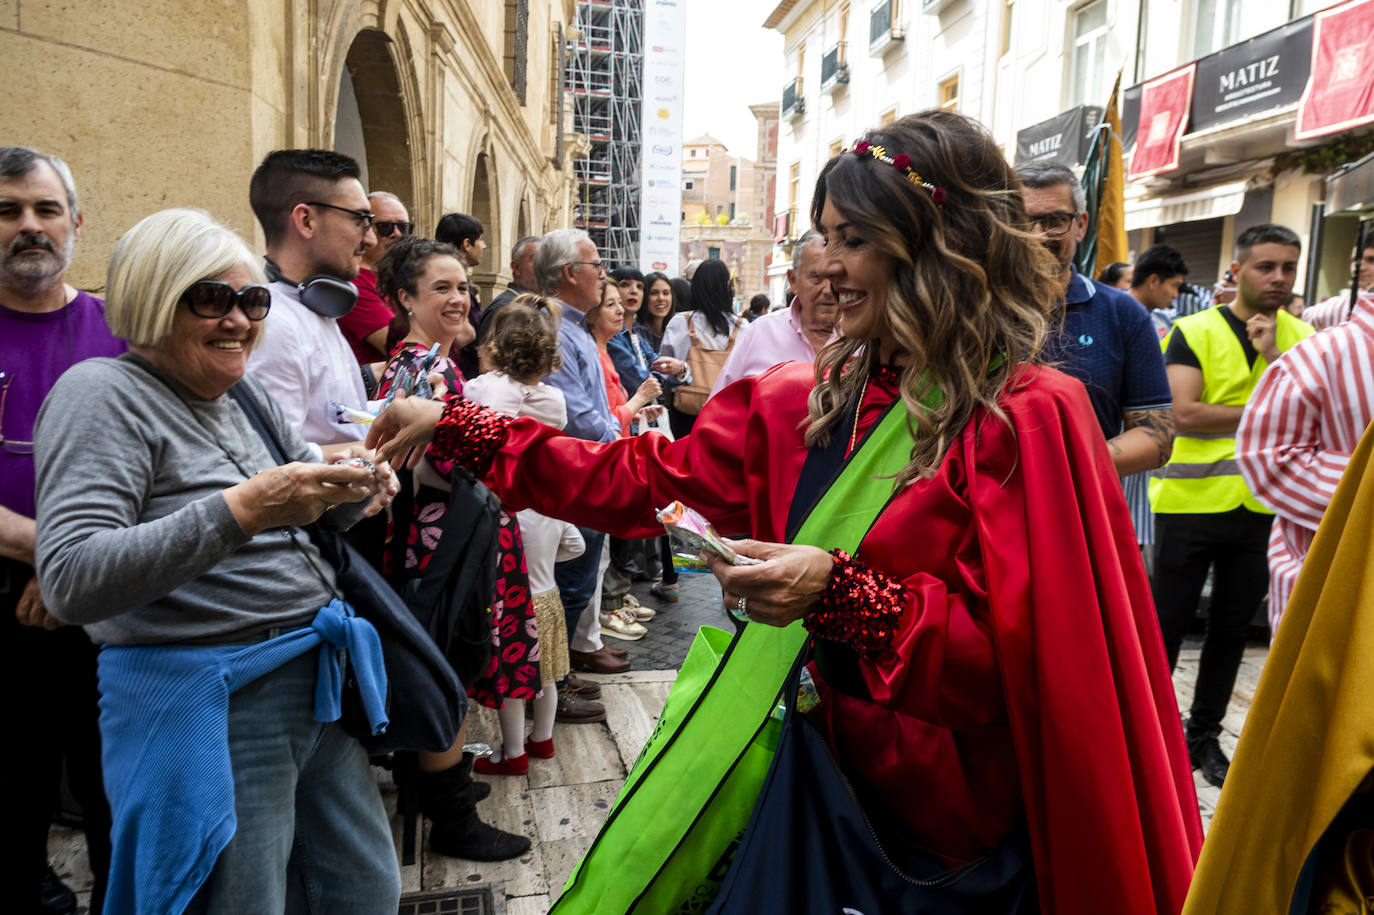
{"x":1047,"y":145}
{"x":1244,"y":76}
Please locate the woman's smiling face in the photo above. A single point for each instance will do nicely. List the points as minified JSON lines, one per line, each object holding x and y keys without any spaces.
{"x":860,"y":274}
{"x":660,"y":298}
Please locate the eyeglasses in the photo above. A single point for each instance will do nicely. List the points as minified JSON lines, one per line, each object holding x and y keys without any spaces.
{"x":385,"y":227}
{"x":1053,"y":224}
{"x":216,"y":298}
{"x":364,"y":217}
{"x":9,"y":445}
{"x":599,"y":265}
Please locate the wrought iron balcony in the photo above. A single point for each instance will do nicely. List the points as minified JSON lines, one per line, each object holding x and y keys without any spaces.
{"x":884,"y":28}
{"x":793,"y":103}
{"x":834,"y":68}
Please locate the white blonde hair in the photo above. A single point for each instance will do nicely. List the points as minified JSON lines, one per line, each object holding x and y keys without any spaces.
{"x":158,"y":260}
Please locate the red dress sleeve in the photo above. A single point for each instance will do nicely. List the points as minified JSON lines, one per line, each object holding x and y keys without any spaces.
{"x":736,"y":467}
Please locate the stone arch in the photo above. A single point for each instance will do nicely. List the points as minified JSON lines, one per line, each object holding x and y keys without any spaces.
{"x":484,"y":203}
{"x":370,"y":116}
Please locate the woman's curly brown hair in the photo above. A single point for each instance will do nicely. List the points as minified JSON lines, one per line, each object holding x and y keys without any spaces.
{"x":523,"y":341}
{"x":971,"y":293}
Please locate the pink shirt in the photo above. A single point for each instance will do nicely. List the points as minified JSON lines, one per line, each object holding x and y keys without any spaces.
{"x":1297,"y":434}
{"x":776,"y":337}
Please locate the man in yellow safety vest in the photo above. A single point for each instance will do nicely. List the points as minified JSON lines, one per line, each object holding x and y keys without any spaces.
{"x":1205,"y":515}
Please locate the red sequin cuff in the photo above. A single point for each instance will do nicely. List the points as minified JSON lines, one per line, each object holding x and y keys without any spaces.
{"x":469,"y":434}
{"x":860,"y":607}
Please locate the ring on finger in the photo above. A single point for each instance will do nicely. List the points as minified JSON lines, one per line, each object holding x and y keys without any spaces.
{"x":742,"y":608}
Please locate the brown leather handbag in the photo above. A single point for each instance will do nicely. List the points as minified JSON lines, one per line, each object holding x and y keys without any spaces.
{"x":705,"y":365}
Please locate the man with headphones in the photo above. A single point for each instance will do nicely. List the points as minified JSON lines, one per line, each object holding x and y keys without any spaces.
{"x":318,"y":222}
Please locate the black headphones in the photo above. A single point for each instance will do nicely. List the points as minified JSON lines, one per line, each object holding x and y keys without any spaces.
{"x":327,"y":296}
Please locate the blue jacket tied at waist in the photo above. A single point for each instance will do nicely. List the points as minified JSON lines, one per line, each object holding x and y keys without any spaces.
{"x":164,"y":723}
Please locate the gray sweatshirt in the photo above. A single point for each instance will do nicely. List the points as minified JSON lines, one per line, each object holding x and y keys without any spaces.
{"x":135,"y":540}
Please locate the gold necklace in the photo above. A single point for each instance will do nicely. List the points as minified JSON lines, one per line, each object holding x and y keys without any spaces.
{"x":854,"y":434}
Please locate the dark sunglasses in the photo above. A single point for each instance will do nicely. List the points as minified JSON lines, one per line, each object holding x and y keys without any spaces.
{"x":385,"y":227}
{"x":216,"y":298}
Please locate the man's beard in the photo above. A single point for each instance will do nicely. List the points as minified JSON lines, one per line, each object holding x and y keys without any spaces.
{"x":34,"y":272}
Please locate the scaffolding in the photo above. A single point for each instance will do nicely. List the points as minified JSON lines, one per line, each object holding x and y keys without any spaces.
{"x":604,"y":76}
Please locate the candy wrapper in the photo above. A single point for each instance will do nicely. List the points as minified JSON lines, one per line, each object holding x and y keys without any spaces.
{"x":692,"y":535}
{"x":344,"y":415}
{"x":415,"y":384}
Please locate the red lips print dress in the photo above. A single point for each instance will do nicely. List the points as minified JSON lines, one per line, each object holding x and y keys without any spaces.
{"x":513,"y":671}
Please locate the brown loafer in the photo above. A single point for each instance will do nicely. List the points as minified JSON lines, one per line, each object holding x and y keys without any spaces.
{"x":617,"y":651}
{"x":598,"y":662}
{"x":572,"y":710}
{"x":583,"y":689}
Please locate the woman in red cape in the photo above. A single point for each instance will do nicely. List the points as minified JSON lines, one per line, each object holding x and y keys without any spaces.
{"x":1006,"y":669}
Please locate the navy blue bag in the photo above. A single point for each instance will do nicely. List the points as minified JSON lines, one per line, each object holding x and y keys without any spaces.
{"x":810,"y":848}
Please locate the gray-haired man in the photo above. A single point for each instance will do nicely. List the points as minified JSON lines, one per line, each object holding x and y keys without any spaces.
{"x":567,"y":266}
{"x":46,"y":325}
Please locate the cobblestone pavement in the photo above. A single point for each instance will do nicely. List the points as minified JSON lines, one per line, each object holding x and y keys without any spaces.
{"x":561,"y":803}
{"x":672,"y":631}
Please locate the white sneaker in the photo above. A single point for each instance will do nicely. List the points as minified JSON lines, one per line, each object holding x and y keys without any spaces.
{"x":641,"y":613}
{"x":621,"y":624}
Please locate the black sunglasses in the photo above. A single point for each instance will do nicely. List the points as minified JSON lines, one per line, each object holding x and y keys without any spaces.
{"x":216,"y":298}
{"x":385,"y":227}
{"x":364,"y":217}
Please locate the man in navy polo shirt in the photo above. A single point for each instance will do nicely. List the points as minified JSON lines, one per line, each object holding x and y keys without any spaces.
{"x":1106,"y":340}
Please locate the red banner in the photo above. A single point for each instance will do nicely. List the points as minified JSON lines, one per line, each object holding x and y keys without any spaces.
{"x":1340,"y":91}
{"x":1165,"y":103}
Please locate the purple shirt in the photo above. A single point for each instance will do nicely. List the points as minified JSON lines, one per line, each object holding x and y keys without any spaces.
{"x":776,"y":337}
{"x":34,"y":350}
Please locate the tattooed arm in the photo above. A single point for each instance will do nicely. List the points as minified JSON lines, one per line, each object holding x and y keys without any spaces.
{"x":1146,"y":443}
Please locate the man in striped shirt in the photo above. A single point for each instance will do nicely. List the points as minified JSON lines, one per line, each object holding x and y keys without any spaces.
{"x":1336,"y":309}
{"x":1297,"y":433}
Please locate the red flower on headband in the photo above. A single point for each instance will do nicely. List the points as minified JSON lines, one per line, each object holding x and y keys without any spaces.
{"x":860,"y":148}
{"x":938,"y":195}
{"x":902,"y":161}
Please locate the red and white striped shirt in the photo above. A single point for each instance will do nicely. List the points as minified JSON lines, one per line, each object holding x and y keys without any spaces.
{"x":1297,"y":434}
{"x":1330,"y":312}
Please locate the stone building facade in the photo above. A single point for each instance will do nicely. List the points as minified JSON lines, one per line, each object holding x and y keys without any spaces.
{"x":727,"y":202}
{"x":450,"y":105}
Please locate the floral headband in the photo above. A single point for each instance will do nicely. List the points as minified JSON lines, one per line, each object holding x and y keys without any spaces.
{"x":901,"y":162}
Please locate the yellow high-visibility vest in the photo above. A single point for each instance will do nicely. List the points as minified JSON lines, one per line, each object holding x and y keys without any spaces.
{"x":1202,"y":476}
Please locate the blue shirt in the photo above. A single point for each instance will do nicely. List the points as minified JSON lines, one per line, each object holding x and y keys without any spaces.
{"x":1108,"y":342}
{"x":633,"y":358}
{"x":582,"y":382}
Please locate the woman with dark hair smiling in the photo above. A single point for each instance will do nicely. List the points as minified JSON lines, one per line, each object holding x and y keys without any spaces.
{"x":660,"y":304}
{"x":939,"y":525}
{"x":710,"y":329}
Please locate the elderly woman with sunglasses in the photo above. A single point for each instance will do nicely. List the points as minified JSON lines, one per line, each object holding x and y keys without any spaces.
{"x":167,"y":531}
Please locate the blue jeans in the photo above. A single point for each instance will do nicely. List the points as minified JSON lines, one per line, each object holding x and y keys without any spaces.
{"x":576,"y":578}
{"x":312,"y":832}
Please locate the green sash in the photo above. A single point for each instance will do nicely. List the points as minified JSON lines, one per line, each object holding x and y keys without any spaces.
{"x":669,"y":838}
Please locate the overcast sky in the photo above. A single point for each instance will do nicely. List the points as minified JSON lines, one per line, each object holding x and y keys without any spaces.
{"x":732,"y":63}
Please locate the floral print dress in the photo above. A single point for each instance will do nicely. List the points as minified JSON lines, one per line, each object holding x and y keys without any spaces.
{"x":513,"y":670}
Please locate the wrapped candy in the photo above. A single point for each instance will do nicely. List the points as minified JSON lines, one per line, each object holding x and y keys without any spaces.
{"x":691,"y":535}
{"x":415,"y":384}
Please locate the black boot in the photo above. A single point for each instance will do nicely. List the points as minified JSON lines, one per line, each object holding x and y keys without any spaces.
{"x":449,"y":799}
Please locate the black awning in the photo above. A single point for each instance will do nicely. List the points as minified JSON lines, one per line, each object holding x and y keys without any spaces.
{"x":1064,"y":138}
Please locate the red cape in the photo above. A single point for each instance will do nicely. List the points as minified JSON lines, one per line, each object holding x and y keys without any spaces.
{"x":1108,"y":787}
